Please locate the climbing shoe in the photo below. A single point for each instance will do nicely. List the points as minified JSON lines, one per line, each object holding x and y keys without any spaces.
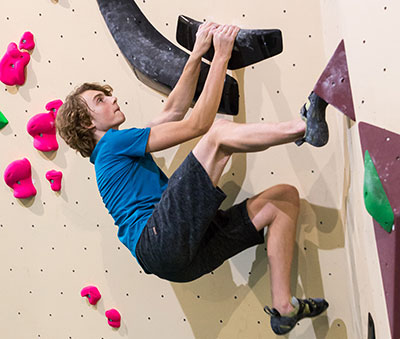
{"x":307,"y":308}
{"x":313,"y":114}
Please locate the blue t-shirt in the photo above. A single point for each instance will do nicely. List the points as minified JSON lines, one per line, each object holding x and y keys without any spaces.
{"x":129,"y":181}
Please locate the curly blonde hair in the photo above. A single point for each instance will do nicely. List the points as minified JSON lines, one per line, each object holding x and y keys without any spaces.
{"x":73,"y":119}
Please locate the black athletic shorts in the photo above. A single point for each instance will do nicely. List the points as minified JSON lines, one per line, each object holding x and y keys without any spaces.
{"x":187,"y":235}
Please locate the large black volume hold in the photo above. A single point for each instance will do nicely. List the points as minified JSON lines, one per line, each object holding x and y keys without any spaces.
{"x":155,"y":60}
{"x":251,"y":45}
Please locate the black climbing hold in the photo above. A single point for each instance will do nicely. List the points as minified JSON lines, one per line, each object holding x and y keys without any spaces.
{"x":251,"y":45}
{"x":156,"y":61}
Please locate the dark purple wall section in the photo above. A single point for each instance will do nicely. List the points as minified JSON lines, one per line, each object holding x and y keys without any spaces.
{"x":384,"y":148}
{"x":389,"y":257}
{"x":334,"y":83}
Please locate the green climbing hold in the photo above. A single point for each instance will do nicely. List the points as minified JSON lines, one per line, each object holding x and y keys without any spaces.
{"x":3,"y":120}
{"x":375,"y":198}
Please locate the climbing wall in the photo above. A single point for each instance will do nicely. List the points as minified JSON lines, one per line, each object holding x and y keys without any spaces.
{"x":55,"y":244}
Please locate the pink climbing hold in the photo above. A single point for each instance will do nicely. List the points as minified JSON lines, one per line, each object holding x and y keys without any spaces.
{"x":92,"y":293}
{"x":27,"y":41}
{"x":114,"y":318}
{"x":12,"y":66}
{"x":53,"y":106}
{"x":43,"y":129}
{"x":54,"y":177}
{"x":18,"y":176}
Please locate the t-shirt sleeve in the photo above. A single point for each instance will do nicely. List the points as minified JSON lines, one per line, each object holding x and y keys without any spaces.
{"x":129,"y":142}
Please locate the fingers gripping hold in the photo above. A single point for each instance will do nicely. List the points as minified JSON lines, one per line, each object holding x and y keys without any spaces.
{"x":224,"y":38}
{"x":204,"y":37}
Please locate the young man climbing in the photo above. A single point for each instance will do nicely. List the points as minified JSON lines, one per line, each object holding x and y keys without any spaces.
{"x":174,"y":227}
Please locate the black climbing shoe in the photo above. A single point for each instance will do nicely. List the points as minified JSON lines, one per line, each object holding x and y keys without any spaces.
{"x":317,"y":133}
{"x":307,"y":308}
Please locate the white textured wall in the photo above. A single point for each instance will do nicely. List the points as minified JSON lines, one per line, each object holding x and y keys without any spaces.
{"x":55,"y":244}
